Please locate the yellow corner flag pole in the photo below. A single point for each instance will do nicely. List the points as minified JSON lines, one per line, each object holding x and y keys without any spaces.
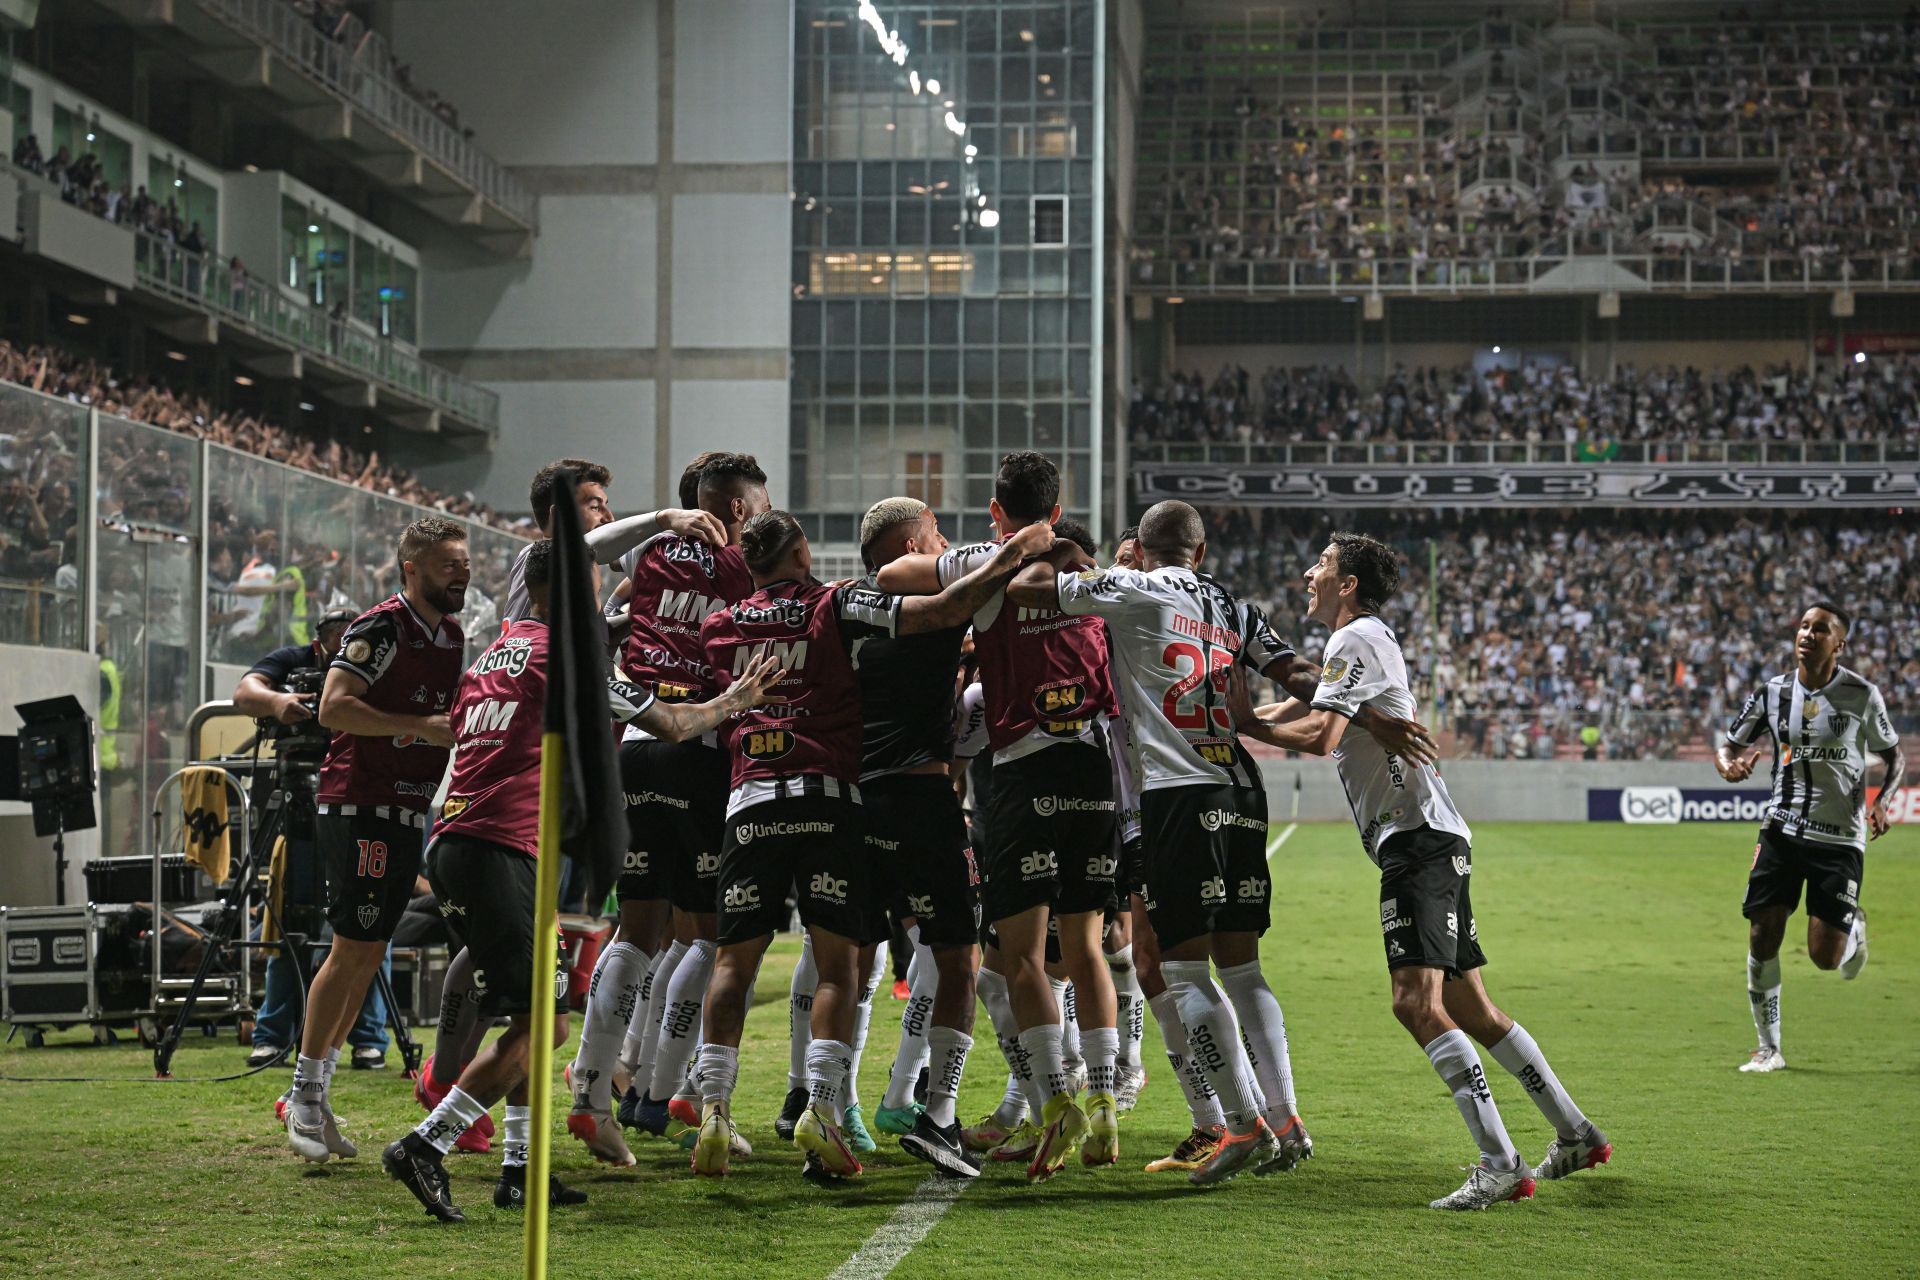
{"x":546,"y":925}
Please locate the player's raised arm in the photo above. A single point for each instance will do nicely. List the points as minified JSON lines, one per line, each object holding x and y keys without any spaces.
{"x":1731,"y":755}
{"x":1037,"y":586}
{"x":959,"y":602}
{"x":914,"y":575}
{"x":681,"y":721}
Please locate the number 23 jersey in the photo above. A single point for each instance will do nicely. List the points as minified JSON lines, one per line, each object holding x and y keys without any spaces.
{"x":1174,"y":636}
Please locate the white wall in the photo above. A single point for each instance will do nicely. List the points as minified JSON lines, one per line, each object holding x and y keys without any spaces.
{"x":573,"y":94}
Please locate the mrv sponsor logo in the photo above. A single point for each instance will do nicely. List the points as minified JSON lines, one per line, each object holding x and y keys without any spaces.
{"x":1674,"y":804}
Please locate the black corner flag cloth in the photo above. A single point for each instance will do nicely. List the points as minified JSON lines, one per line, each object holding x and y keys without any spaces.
{"x":593,"y":814}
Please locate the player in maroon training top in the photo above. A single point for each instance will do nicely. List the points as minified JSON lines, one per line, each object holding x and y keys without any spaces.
{"x":676,"y":800}
{"x":1051,"y":822}
{"x":386,"y":700}
{"x":482,"y":870}
{"x":793,"y":816}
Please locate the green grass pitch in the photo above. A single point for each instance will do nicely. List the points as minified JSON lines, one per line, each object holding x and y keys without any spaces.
{"x":1619,"y":947}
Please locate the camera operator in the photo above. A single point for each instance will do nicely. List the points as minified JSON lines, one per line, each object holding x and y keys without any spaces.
{"x":386,"y":700}
{"x":281,"y":693}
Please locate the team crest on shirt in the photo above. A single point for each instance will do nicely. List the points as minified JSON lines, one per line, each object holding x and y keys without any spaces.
{"x":1336,"y":667}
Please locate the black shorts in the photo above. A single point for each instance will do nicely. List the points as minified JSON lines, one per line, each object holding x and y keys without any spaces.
{"x":676,"y":806}
{"x":1133,"y":868}
{"x":816,"y":846}
{"x":1050,"y":834}
{"x":917,"y":838}
{"x":989,"y":937}
{"x":1831,"y":872}
{"x":1426,"y":916}
{"x":371,"y":862}
{"x":486,"y":894}
{"x":1206,"y":861}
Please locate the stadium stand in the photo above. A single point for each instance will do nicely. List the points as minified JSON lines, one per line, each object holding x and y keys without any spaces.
{"x":1537,"y":628}
{"x":85,"y":382}
{"x":1876,"y":401}
{"x":1449,"y":156}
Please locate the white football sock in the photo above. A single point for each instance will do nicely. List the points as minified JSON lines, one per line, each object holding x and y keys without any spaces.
{"x":519,"y":1136}
{"x":612,"y":997}
{"x":948,"y":1048}
{"x":1518,"y":1053}
{"x":1006,"y":1031}
{"x":862,"y":1024}
{"x":1131,"y":1004}
{"x":1202,"y":1102}
{"x":923,"y":981}
{"x":829,"y":1063}
{"x":310,"y":1089}
{"x":643,"y":1007}
{"x":655,"y":1011}
{"x":1102,"y":1048}
{"x":1211,"y":1039}
{"x":1453,"y":1057}
{"x":1763,"y":993}
{"x":1855,"y":932}
{"x":800,"y":1013}
{"x":1069,"y":1022}
{"x":456,"y":1114}
{"x":680,"y":1019}
{"x":1263,"y":1033}
{"x":718,"y":1069}
{"x":1041,"y":1045}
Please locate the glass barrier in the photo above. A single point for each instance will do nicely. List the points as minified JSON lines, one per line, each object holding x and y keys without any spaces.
{"x":45,"y":537}
{"x":259,"y":304}
{"x":147,"y":616}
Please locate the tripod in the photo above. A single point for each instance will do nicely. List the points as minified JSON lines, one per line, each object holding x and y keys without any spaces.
{"x":293,"y":788}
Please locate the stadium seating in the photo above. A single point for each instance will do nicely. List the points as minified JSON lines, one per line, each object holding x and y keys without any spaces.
{"x":1527,"y":630}
{"x":1873,"y":401}
{"x":1313,"y":155}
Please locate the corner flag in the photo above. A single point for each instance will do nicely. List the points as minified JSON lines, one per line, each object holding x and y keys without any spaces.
{"x":581,"y":816}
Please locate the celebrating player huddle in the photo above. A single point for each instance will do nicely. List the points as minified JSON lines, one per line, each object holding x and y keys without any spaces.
{"x":1031,"y":764}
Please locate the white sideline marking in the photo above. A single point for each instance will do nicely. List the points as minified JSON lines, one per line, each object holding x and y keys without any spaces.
{"x":909,"y":1225}
{"x":1273,"y":846}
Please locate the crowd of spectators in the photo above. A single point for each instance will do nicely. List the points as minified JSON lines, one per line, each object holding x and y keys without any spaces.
{"x":84,"y":184}
{"x":1833,"y":118}
{"x":1616,"y":635}
{"x":1878,"y":400}
{"x":335,"y":20}
{"x":62,"y":374}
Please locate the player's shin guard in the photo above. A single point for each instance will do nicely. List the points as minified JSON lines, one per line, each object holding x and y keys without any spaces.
{"x":1263,"y":1031}
{"x":611,"y":999}
{"x":800,"y":1013}
{"x":1763,"y":993}
{"x":923,"y":981}
{"x":680,"y":1019}
{"x":1211,"y":1039}
{"x":1518,"y":1053}
{"x":1457,"y":1064}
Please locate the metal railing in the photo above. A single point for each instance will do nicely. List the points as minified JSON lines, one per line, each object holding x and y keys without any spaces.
{"x":1677,"y":272}
{"x":357,"y":65}
{"x":260,"y":306}
{"x":1521,"y":452}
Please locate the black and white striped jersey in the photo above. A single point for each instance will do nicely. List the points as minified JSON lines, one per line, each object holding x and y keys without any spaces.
{"x":1822,"y":741}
